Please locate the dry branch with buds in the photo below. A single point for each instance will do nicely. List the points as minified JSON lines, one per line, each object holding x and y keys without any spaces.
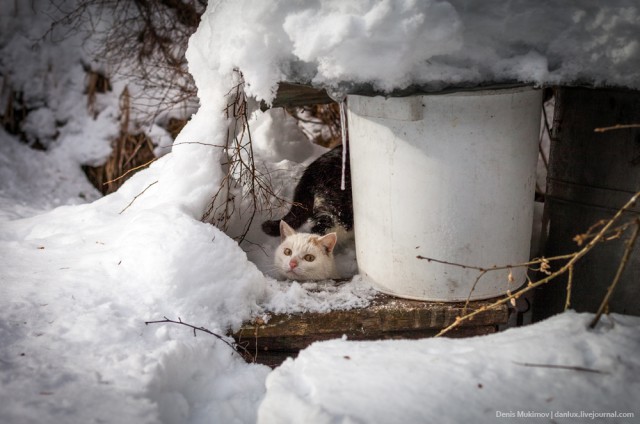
{"x":616,"y":127}
{"x":601,"y":232}
{"x":143,"y":41}
{"x":239,"y":349}
{"x":243,"y":176}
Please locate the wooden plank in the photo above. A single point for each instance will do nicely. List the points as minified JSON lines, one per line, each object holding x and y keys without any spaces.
{"x":295,"y":343}
{"x":386,"y":318}
{"x":272,"y":352}
{"x":385,"y":314}
{"x":291,"y":94}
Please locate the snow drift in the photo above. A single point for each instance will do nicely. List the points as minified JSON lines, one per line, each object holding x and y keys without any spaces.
{"x":78,"y":282}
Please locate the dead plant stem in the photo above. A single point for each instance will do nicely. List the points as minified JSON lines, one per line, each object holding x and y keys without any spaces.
{"x":573,"y":259}
{"x":623,"y":263}
{"x":240,"y":350}
{"x":137,"y":195}
{"x":616,"y":127}
{"x":562,"y":367}
{"x":567,"y":302}
{"x":130,"y":171}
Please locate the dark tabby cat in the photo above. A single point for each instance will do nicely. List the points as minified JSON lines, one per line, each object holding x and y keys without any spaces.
{"x":318,"y":198}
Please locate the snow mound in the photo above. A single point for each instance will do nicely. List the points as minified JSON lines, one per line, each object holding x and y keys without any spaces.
{"x":553,"y":367}
{"x":322,"y":296}
{"x":393,"y":44}
{"x":78,"y":282}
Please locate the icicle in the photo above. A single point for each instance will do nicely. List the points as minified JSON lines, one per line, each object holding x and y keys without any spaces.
{"x":343,"y":131}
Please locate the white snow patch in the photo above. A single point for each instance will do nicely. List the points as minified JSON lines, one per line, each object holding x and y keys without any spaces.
{"x":467,"y":380}
{"x":394,"y":44}
{"x":79,"y":281}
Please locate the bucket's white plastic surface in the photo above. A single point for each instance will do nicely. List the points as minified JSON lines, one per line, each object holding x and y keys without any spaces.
{"x":449,"y":177}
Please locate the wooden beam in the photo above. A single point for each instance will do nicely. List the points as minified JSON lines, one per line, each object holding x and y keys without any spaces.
{"x":386,"y":318}
{"x":290,"y":95}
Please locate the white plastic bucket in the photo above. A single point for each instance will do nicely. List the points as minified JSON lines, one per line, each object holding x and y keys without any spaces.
{"x":449,"y":177}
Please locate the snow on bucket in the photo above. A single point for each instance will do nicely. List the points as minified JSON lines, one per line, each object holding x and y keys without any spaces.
{"x":444,"y":176}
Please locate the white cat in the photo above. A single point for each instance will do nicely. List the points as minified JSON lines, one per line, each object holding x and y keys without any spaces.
{"x":304,"y":256}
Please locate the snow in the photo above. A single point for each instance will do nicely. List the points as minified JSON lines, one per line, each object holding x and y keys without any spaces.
{"x":468,"y":380}
{"x":321,"y":296}
{"x":434,"y":44}
{"x":80,"y":274}
{"x":32,"y":181}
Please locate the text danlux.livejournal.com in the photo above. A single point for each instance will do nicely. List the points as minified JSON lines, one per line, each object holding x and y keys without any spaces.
{"x":564,"y":414}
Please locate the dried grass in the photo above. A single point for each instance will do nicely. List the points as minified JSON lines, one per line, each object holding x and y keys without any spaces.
{"x":96,"y":83}
{"x":131,"y":152}
{"x":174,"y":126}
{"x":325,"y":118}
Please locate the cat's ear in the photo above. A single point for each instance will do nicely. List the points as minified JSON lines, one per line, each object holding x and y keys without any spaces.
{"x":285,"y":230}
{"x":328,"y":241}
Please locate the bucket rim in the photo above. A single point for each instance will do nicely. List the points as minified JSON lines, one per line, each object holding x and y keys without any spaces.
{"x":487,"y":90}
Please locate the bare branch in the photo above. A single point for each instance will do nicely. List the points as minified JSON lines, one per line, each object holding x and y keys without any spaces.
{"x":134,"y":169}
{"x":616,"y":127}
{"x":136,"y":196}
{"x":623,"y":263}
{"x":244,"y":188}
{"x":567,"y":302}
{"x":573,"y":258}
{"x":240,"y":350}
{"x":143,"y":42}
{"x":562,"y":367}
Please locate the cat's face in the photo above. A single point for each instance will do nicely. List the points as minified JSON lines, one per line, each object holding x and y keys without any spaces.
{"x":303,"y":256}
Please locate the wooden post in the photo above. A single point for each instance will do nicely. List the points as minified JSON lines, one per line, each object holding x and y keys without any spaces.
{"x":591,"y":175}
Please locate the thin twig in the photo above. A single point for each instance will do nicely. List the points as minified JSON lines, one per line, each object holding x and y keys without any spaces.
{"x":623,"y":263}
{"x":244,"y":188}
{"x":574,"y":257}
{"x":567,"y":302}
{"x":493,"y":267}
{"x":130,"y":171}
{"x":611,"y":234}
{"x":543,"y":262}
{"x":196,"y":142}
{"x":562,"y":367}
{"x":616,"y":127}
{"x":240,"y":350}
{"x":137,"y":195}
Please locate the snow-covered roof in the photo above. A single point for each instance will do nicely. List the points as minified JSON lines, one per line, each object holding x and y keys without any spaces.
{"x":394,"y":45}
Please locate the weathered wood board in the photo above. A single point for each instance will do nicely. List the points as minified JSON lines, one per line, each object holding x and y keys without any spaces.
{"x":283,"y":335}
{"x":291,"y":95}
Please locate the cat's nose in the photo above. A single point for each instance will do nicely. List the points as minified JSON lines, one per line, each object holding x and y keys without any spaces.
{"x":293,"y":263}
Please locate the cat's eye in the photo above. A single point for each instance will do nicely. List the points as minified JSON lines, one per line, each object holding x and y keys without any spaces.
{"x":309,"y":258}
{"x":287,"y":252}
